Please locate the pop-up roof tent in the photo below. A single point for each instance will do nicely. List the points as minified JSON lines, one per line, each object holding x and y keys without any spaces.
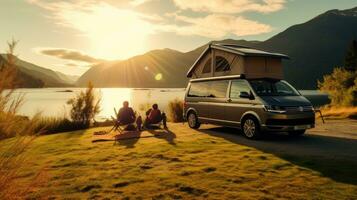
{"x":225,"y":59}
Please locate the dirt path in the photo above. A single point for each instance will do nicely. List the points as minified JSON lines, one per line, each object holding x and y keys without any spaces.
{"x":334,"y":139}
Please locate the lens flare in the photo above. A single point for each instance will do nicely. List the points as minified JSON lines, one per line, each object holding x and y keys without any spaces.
{"x":158,"y":76}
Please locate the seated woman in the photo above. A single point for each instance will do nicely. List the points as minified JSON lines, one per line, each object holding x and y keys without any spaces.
{"x":154,"y":116}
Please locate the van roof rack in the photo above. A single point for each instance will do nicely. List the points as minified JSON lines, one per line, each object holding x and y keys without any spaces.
{"x":241,"y":76}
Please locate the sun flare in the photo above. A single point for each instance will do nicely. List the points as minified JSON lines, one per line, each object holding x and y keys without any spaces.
{"x":113,"y":33}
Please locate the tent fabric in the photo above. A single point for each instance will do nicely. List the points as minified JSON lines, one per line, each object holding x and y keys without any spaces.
{"x":253,"y":63}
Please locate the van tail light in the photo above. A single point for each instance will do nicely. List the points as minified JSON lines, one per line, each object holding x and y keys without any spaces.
{"x":184,"y":104}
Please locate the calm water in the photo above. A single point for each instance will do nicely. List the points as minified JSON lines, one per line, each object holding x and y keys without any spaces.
{"x":52,"y":101}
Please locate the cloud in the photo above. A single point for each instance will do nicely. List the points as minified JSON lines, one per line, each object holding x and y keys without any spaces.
{"x":231,"y":6}
{"x":116,"y":30}
{"x":217,"y":26}
{"x":68,"y":54}
{"x":138,"y":2}
{"x":112,"y":32}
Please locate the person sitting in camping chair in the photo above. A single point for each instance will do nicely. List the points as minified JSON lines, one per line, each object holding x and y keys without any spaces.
{"x":125,"y":117}
{"x":154,"y":117}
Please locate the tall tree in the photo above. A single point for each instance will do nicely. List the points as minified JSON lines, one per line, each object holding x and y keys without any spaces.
{"x":351,"y":57}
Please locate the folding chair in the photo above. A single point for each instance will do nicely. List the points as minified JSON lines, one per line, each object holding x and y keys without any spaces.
{"x":117,"y":124}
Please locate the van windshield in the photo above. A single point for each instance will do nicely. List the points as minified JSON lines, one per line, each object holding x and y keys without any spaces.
{"x":272,"y":87}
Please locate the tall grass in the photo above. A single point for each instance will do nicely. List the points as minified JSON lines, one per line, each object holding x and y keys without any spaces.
{"x":13,"y":158}
{"x":175,"y":108}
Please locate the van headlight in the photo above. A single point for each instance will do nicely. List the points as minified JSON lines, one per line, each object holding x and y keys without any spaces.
{"x":274,"y":109}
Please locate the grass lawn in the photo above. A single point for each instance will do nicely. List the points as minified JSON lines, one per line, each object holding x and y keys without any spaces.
{"x":188,"y":164}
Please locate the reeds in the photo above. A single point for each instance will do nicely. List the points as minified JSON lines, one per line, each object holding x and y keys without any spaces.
{"x":175,"y":108}
{"x":13,"y":157}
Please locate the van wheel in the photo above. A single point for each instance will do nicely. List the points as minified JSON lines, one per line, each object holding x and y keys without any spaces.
{"x":193,"y":120}
{"x":297,"y":133}
{"x":251,"y":128}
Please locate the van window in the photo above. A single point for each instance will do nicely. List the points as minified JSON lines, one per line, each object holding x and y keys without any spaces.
{"x":218,"y":89}
{"x":207,"y":67}
{"x":222,"y":64}
{"x":214,"y":89}
{"x":237,"y":87}
{"x":272,"y":87}
{"x":199,"y":89}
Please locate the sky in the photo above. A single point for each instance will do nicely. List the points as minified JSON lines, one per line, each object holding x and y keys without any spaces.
{"x":70,"y":36}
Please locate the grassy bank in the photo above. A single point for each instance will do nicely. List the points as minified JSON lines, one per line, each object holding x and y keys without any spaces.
{"x":339,"y":112}
{"x":187,"y":164}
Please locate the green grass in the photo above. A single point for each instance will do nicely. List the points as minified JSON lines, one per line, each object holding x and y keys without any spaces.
{"x":187,"y":165}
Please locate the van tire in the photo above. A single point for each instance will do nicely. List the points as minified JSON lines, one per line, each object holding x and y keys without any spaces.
{"x":251,"y":128}
{"x":192,"y":120}
{"x":297,"y":133}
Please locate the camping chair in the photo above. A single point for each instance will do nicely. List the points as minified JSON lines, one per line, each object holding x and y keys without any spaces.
{"x":117,"y":125}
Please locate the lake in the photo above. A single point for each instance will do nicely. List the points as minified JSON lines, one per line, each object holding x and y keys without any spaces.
{"x":52,"y":101}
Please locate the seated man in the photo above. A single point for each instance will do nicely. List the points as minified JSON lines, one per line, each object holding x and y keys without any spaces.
{"x":126,"y":114}
{"x":154,"y":116}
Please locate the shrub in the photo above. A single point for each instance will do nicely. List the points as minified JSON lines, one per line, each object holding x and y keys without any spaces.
{"x":84,"y":107}
{"x":341,"y":87}
{"x":176,"y":110}
{"x":48,"y":125}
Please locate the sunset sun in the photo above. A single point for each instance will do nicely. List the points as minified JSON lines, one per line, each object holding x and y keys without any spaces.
{"x":113,"y":33}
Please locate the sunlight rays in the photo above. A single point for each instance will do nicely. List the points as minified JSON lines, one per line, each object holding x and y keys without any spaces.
{"x":109,"y":29}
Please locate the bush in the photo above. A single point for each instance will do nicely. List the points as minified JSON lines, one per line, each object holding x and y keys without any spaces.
{"x":176,"y":110}
{"x":48,"y":125}
{"x":84,"y":107}
{"x":341,"y":86}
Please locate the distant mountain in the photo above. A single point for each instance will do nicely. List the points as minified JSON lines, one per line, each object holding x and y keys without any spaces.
{"x":71,"y":79}
{"x":140,"y":71}
{"x":33,"y":76}
{"x":315,"y":48}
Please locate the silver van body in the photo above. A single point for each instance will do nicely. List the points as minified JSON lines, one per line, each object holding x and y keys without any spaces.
{"x":231,"y":100}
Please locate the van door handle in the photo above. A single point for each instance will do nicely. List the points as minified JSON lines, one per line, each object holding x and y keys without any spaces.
{"x":229,"y":100}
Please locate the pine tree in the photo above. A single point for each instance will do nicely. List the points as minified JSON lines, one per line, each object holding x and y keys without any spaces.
{"x":351,"y":57}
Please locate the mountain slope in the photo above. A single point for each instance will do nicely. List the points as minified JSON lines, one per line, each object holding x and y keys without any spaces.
{"x":31,"y":75}
{"x":140,"y":71}
{"x":70,"y":79}
{"x":315,"y":48}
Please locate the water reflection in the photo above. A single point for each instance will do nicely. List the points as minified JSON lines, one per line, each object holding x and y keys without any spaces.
{"x":51,"y":102}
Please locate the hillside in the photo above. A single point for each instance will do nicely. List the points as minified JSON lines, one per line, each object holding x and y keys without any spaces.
{"x":315,"y":48}
{"x":140,"y":71}
{"x":33,"y":76}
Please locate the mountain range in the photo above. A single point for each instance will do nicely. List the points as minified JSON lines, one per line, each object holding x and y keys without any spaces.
{"x":315,"y":48}
{"x":33,"y":76}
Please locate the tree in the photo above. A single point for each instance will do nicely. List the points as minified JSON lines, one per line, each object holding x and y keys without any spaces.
{"x":85,"y":106}
{"x":341,"y":86}
{"x":351,"y":57}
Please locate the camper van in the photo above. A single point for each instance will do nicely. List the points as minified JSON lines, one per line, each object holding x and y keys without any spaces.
{"x":242,"y":87}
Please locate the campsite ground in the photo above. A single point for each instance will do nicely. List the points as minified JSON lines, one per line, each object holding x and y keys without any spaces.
{"x":210,"y":163}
